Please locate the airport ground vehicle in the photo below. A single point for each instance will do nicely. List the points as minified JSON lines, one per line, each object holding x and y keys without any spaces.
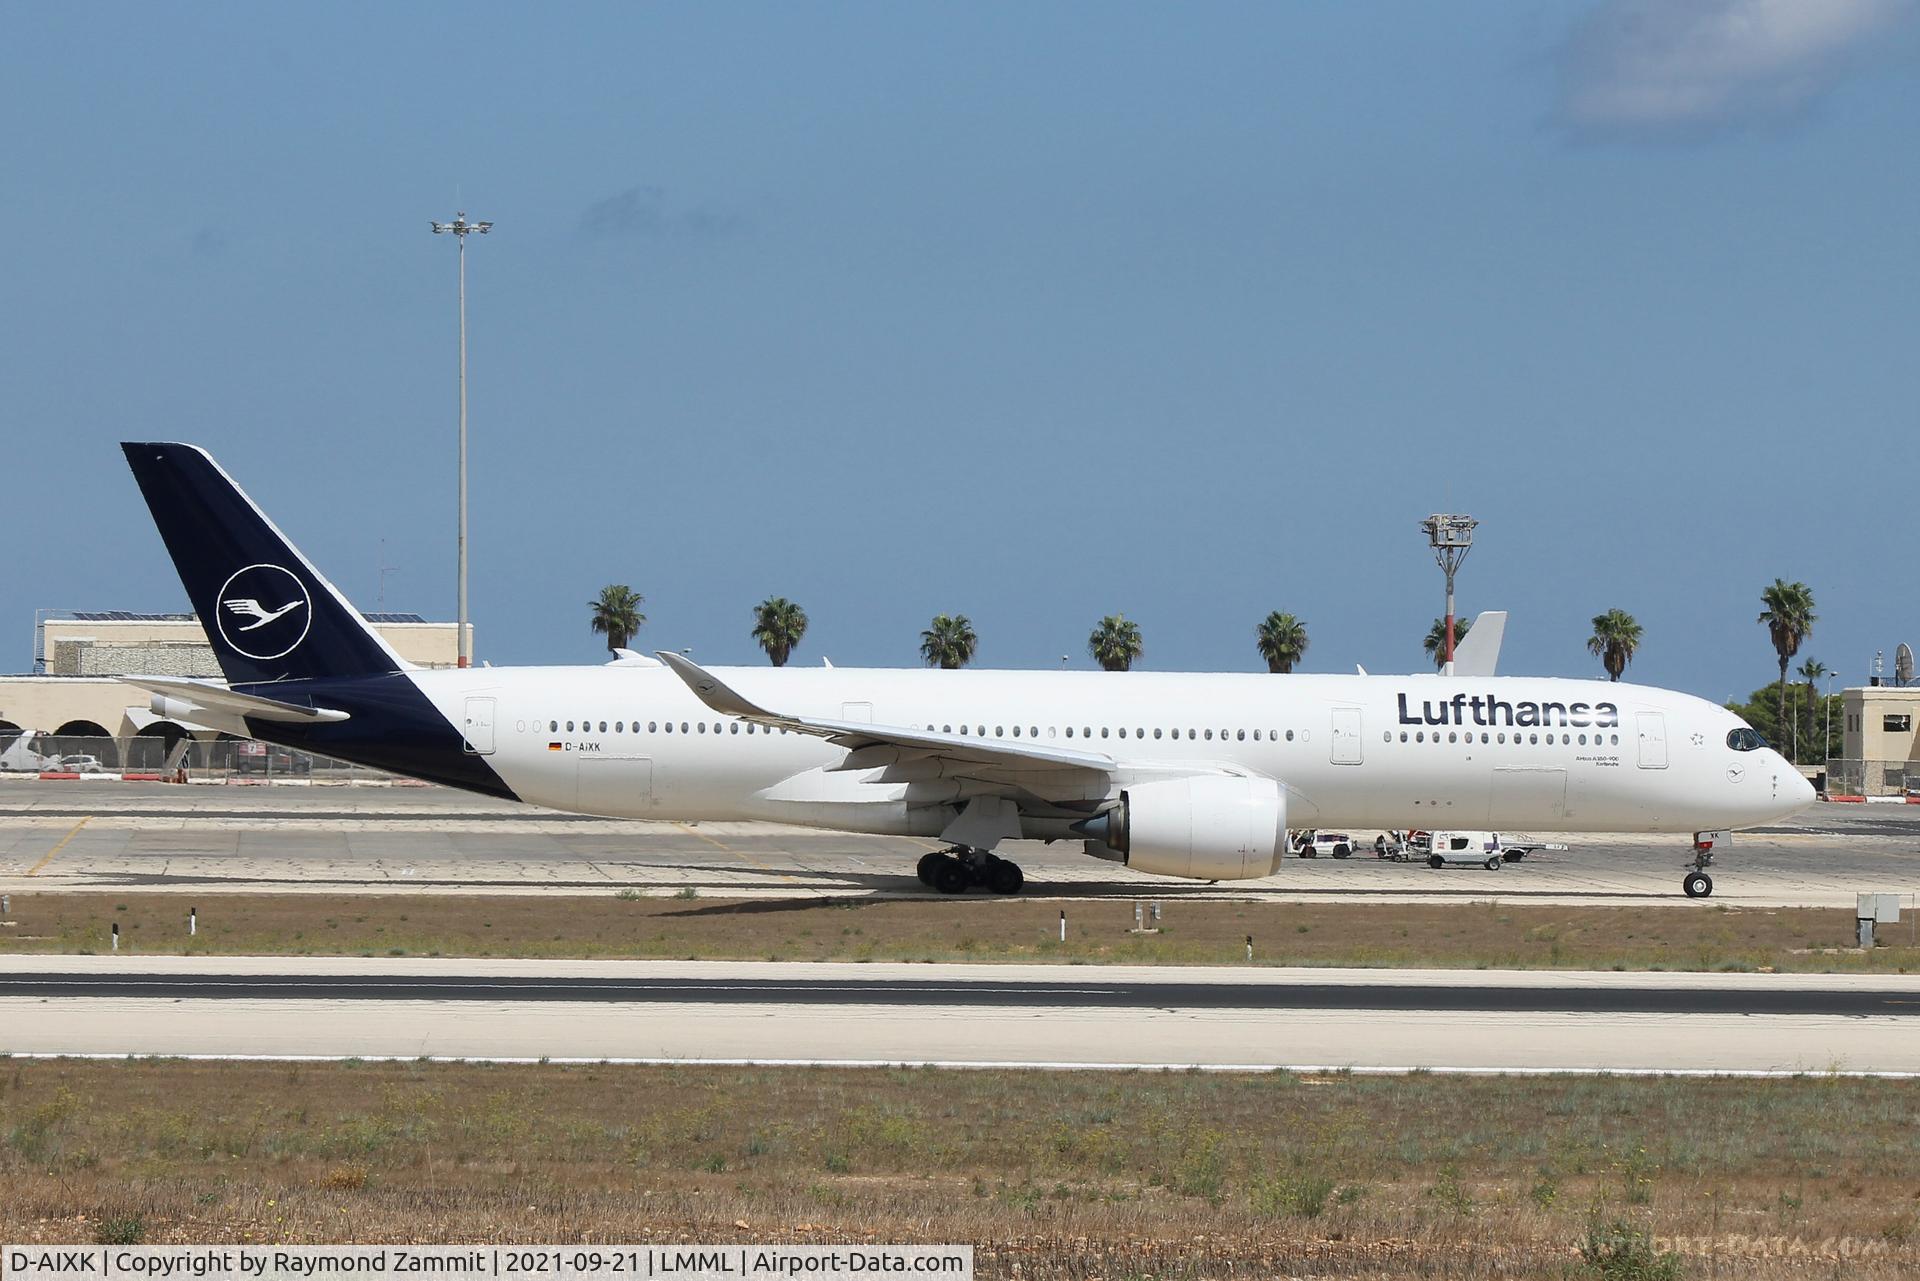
{"x":1314,"y":842}
{"x":256,"y":757}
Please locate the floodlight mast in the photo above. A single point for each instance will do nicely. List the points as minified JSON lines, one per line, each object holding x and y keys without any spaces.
{"x":461,"y":228}
{"x":1451,"y":537}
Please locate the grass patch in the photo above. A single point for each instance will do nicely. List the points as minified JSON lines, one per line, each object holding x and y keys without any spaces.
{"x":1065,"y":1174}
{"x":1473,"y":935}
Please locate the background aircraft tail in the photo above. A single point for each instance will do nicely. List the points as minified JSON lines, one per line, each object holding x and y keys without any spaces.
{"x":268,"y":612}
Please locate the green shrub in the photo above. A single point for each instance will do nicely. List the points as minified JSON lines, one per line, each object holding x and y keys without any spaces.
{"x":1621,"y":1252}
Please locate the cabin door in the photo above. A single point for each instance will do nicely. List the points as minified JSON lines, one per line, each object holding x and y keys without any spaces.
{"x":479,"y":726}
{"x":1653,"y":740}
{"x":1346,"y":736}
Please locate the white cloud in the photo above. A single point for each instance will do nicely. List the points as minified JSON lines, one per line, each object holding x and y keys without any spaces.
{"x":1665,"y":66}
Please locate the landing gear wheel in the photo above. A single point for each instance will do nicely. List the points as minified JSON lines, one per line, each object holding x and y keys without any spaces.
{"x":950,"y":877}
{"x":1004,"y":877}
{"x":1697,"y":885}
{"x":1493,"y":864}
{"x":1435,"y":862}
{"x":925,"y":870}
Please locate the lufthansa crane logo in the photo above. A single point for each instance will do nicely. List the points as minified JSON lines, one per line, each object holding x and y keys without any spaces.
{"x":264,"y":612}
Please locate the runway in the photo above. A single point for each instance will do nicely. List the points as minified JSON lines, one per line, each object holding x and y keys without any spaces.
{"x":213,"y":839}
{"x":960,"y":1016}
{"x":1087,"y":992}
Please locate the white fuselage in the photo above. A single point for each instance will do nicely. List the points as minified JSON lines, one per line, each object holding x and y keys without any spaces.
{"x":1387,"y":752}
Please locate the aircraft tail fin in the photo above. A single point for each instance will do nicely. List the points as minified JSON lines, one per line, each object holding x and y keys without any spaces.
{"x":269,"y":614}
{"x":1478,"y":652}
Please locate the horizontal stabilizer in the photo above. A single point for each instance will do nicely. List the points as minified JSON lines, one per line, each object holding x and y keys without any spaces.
{"x":206,"y":696}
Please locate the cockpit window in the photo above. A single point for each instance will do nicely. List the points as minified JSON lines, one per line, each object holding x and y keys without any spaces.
{"x":1745,"y":740}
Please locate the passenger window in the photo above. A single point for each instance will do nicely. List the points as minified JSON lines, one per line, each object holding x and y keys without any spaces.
{"x":1452,"y":737}
{"x":1209,"y":736}
{"x":1289,"y":736}
{"x":1615,"y":738}
{"x":1240,"y":735}
{"x":683,"y":727}
{"x":999,"y":731}
{"x":1033,"y":731}
{"x":1256,"y":736}
{"x":736,"y":727}
{"x":1386,"y":736}
{"x":1403,"y":736}
{"x":1016,"y":731}
{"x":1156,"y":733}
{"x":569,"y":727}
{"x":1069,"y":731}
{"x":1086,"y":731}
{"x":946,"y":729}
{"x":1103,"y":731}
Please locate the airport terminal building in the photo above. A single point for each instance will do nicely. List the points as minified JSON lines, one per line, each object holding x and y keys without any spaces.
{"x":72,"y":693}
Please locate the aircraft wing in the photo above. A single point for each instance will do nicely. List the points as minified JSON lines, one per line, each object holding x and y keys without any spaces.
{"x":207,"y":696}
{"x":874,"y":746}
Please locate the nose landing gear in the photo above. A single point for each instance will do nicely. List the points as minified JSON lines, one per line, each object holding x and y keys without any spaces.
{"x":1697,"y":883}
{"x":954,"y":871}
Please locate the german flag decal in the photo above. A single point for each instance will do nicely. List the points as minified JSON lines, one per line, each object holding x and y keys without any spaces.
{"x":555,"y":747}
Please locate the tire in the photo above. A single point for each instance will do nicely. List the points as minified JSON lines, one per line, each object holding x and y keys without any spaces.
{"x":1435,"y":862}
{"x":924,"y":870}
{"x":1004,"y":877}
{"x":1697,"y":885}
{"x":1343,"y":851}
{"x":950,"y":877}
{"x":1493,"y":864}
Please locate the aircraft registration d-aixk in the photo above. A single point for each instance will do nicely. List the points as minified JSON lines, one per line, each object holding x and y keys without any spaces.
{"x":1176,"y":774}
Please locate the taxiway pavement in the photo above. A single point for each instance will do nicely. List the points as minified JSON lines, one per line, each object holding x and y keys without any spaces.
{"x":961,"y":1015}
{"x":348,"y":839}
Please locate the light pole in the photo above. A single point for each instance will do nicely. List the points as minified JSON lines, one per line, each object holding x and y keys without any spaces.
{"x":460,"y":228}
{"x":1826,"y":753}
{"x":1451,"y":538}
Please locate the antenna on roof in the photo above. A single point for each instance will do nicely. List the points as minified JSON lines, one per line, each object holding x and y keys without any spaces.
{"x":1903,"y":665}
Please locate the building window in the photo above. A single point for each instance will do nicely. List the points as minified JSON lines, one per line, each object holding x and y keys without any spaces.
{"x":1897,"y":723}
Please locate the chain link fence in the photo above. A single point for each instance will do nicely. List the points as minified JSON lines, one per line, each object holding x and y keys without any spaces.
{"x":241,"y":760}
{"x":1873,"y":778}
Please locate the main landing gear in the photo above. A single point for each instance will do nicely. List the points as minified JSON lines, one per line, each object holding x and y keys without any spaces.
{"x":954,"y":871}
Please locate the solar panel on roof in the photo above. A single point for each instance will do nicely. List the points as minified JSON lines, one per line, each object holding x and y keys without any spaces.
{"x":125,"y":616}
{"x":394,"y":618}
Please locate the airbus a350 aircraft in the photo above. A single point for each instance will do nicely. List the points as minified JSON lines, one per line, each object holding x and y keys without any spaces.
{"x":1190,"y":775}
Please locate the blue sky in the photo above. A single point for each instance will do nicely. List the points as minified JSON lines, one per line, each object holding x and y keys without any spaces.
{"x":1030,"y":312}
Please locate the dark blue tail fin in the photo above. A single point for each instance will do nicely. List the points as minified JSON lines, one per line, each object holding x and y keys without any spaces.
{"x":267,"y":610}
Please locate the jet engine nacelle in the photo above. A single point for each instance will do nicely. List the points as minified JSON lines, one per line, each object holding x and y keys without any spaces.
{"x":1210,"y":828}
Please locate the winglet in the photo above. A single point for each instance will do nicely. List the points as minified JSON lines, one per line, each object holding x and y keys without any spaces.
{"x":712,"y":691}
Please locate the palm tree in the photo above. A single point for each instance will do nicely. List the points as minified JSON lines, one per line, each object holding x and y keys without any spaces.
{"x":1616,"y":637}
{"x":1789,"y":617}
{"x":616,"y":614}
{"x":1813,"y":671}
{"x":778,"y":624}
{"x":1436,"y":642}
{"x":1282,"y":640}
{"x":949,"y":642}
{"x":1115,"y":643}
